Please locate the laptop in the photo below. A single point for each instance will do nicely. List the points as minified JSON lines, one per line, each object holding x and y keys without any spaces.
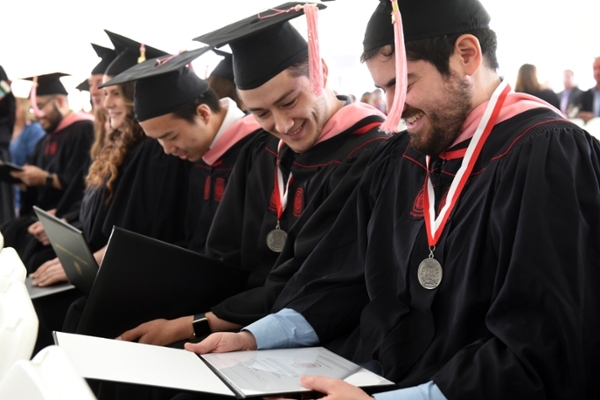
{"x":71,"y":249}
{"x":143,"y":279}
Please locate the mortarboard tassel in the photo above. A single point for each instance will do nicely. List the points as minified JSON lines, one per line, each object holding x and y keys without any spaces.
{"x":314,"y":54}
{"x":393,"y":121}
{"x":142,"y":56}
{"x":33,"y":99}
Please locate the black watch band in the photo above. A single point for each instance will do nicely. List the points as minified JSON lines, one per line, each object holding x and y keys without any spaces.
{"x":201,"y":326}
{"x":50,"y":179}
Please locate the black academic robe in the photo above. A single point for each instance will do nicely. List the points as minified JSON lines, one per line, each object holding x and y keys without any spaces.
{"x":149,"y":198}
{"x":65,"y":153}
{"x":7,"y":122}
{"x":323,"y":178}
{"x":517,"y":313}
{"x":207,"y":186}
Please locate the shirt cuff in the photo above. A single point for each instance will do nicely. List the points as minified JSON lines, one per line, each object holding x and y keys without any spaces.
{"x":285,"y":329}
{"x":426,"y":391}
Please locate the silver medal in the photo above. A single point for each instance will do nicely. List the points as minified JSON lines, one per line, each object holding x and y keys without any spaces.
{"x":276,"y":239}
{"x":430,"y":273}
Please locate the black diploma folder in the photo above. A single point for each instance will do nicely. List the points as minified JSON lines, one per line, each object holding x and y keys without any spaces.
{"x":142,"y":279}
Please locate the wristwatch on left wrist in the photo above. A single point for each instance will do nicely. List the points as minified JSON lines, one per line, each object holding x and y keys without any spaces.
{"x":201,"y":326}
{"x":50,"y":179}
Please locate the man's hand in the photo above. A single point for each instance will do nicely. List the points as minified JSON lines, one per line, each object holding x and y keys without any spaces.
{"x":161,"y":332}
{"x":224,"y":342}
{"x":334,"y":389}
{"x":31,"y":175}
{"x":37,"y":230}
{"x":49,"y":273}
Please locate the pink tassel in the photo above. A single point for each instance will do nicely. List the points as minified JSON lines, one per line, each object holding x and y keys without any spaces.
{"x":314,"y":54}
{"x":33,"y":99}
{"x":393,"y":121}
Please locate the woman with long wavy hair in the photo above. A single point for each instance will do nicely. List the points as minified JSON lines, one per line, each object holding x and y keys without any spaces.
{"x":131,"y":184}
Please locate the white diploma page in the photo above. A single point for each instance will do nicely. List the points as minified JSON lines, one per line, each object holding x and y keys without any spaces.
{"x":269,"y":372}
{"x":128,"y":362}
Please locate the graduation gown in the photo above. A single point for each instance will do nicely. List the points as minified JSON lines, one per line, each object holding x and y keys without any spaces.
{"x":323,"y":178}
{"x":207,"y":186}
{"x":517,"y":313}
{"x":149,"y":198}
{"x":7,"y":122}
{"x":65,"y":153}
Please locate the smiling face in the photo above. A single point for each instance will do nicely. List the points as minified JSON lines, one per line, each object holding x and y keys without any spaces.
{"x":180,"y":137}
{"x":286,"y":107}
{"x":115,"y":105}
{"x":436,"y":105}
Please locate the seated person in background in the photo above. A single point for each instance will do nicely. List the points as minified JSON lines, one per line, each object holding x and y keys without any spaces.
{"x":53,"y":177}
{"x":590,"y":100}
{"x":287,"y":185}
{"x":26,"y":133}
{"x":570,"y":97}
{"x":527,"y":82}
{"x":7,"y":126}
{"x":465,"y":265}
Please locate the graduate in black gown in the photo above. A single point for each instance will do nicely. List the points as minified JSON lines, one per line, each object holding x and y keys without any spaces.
{"x":292,"y":180}
{"x":192,"y":123}
{"x":465,"y":265}
{"x":54,"y":174}
{"x":38,"y":250}
{"x":7,"y":122}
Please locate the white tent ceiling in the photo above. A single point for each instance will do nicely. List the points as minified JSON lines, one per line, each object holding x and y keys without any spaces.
{"x":41,"y":36}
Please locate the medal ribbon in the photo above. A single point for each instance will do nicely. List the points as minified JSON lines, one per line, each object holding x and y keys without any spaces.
{"x":281,"y":190}
{"x":435,"y":226}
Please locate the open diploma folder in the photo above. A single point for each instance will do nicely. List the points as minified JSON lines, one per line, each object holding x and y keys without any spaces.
{"x":238,"y":374}
{"x":5,"y":169}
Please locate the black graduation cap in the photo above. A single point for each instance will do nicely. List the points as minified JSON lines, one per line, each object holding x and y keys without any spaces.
{"x":83,"y":86}
{"x":129,"y":52}
{"x":424,"y":19}
{"x":163,"y":84}
{"x":3,"y":76}
{"x":107,"y":56}
{"x":49,"y":84}
{"x":263,"y":45}
{"x":224,"y":68}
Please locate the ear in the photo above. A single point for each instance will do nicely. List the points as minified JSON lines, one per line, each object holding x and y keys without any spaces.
{"x":203,"y":111}
{"x":325,"y":72}
{"x":467,"y":54}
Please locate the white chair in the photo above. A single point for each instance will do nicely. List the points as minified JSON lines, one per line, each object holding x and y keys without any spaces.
{"x":18,"y":325}
{"x":577,"y":121}
{"x":49,"y":376}
{"x":593,"y":127}
{"x":12,"y":268}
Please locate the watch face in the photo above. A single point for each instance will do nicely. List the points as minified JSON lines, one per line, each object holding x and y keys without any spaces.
{"x":201,"y":327}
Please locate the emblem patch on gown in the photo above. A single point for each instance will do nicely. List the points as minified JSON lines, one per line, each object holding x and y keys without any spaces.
{"x":298,"y":202}
{"x":219,"y":189}
{"x":417,"y":208}
{"x":51,"y":148}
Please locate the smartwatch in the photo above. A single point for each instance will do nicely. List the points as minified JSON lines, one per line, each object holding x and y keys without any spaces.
{"x":50,"y":179}
{"x":201,"y":326}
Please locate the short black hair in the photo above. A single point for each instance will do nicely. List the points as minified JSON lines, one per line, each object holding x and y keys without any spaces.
{"x":300,"y":68}
{"x":438,"y":50}
{"x":188,"y":112}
